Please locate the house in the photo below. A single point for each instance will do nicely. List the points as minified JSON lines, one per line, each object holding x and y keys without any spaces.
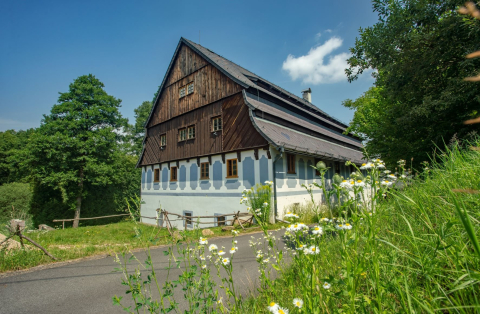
{"x":216,"y":129}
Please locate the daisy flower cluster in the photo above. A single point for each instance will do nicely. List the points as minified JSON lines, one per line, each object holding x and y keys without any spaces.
{"x":345,"y":226}
{"x":374,"y":164}
{"x":269,"y":183}
{"x":291,"y":215}
{"x":277,"y":309}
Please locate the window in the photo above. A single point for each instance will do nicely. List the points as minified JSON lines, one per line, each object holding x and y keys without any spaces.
{"x":173,"y":173}
{"x":216,"y":124}
{"x":182,"y":134}
{"x":188,"y":218}
{"x":232,"y":171}
{"x":190,"y":88}
{"x":204,"y":170}
{"x":156,"y":175}
{"x":163,"y":140}
{"x":220,"y":220}
{"x":191,"y":132}
{"x":181,"y":92}
{"x":290,"y":163}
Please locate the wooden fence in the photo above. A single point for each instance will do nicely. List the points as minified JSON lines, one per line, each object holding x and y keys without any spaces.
{"x":237,"y":217}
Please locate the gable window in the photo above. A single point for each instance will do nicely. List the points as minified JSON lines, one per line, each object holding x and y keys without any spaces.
{"x":163,"y":140}
{"x":182,"y":92}
{"x":204,"y":170}
{"x":173,"y":173}
{"x":232,"y":171}
{"x":182,"y":134}
{"x":191,"y":132}
{"x":291,"y":163}
{"x":216,"y":124}
{"x":156,"y":175}
{"x":190,"y":88}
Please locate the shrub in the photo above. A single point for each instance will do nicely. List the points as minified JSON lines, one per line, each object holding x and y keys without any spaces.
{"x":15,"y":201}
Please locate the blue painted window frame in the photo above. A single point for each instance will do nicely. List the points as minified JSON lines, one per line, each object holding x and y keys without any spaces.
{"x":191,"y":220}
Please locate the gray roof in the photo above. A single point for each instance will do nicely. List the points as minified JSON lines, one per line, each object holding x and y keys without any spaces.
{"x":293,"y":140}
{"x":245,"y":77}
{"x":285,"y":114}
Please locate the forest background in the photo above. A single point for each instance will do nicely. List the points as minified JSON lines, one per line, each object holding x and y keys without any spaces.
{"x":82,"y":158}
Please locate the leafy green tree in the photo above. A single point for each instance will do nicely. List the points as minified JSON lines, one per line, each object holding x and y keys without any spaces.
{"x":138,"y":130}
{"x":418,"y":50}
{"x":77,"y":144}
{"x":11,"y":144}
{"x":15,"y":201}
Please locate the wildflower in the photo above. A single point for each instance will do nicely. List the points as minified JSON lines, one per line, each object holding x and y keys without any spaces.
{"x":326,"y":285}
{"x":265,"y":204}
{"x":219,"y":301}
{"x":301,"y":247}
{"x":266,"y":260}
{"x":282,"y":311}
{"x":359,"y":183}
{"x":391,"y":176}
{"x":269,"y":182}
{"x":204,"y":266}
{"x":313,"y":250}
{"x":259,"y":255}
{"x":202,"y":257}
{"x":221,"y":252}
{"x":233,"y":250}
{"x":273,"y":307}
{"x":347,"y":226}
{"x":235,"y":232}
{"x":387,"y":171}
{"x":298,"y":302}
{"x":235,"y":241}
{"x":203,"y":241}
{"x":317,"y":230}
{"x":325,"y":219}
{"x":346,"y":184}
{"x":226,"y":261}
{"x":212,"y":247}
{"x":367,"y":166}
{"x":339,"y":227}
{"x":249,"y":208}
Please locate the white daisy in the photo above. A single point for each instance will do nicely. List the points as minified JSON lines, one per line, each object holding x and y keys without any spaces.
{"x":225,"y":261}
{"x":298,"y":302}
{"x":233,"y":250}
{"x":273,"y":307}
{"x":326,"y":285}
{"x":212,"y":247}
{"x":221,"y":252}
{"x":317,"y":230}
{"x":203,"y":241}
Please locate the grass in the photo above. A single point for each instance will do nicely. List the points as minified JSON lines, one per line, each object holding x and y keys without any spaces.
{"x":67,"y":244}
{"x":417,"y":253}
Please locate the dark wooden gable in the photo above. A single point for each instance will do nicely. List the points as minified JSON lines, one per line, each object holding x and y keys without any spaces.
{"x":210,"y":85}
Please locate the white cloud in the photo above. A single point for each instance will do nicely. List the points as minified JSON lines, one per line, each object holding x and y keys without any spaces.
{"x":328,"y":31}
{"x":318,"y":35}
{"x":315,"y":68}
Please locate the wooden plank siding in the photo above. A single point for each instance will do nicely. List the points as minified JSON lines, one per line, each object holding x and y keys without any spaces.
{"x":238,"y":133}
{"x":210,"y":86}
{"x":238,"y":130}
{"x":185,"y":64}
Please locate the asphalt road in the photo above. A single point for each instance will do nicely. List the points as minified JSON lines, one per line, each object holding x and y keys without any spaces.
{"x":88,"y":286}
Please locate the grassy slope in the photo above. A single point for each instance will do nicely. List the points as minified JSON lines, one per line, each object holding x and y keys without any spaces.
{"x":72,"y":243}
{"x":413,"y":254}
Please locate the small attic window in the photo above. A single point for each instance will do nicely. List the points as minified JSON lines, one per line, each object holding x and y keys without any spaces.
{"x":181,"y":92}
{"x":190,"y":88}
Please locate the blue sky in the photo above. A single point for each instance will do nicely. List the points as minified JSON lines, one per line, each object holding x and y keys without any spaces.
{"x":45,"y":45}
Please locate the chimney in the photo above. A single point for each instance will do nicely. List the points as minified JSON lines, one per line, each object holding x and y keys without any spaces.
{"x":307,"y":94}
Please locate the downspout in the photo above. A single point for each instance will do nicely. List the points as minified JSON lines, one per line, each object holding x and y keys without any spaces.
{"x":281,"y":150}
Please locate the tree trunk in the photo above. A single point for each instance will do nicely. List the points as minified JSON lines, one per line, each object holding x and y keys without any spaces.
{"x":79,"y":199}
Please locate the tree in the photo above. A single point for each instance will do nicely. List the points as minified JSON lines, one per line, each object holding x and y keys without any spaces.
{"x":77,"y":144}
{"x":418,"y":48}
{"x":138,"y":130}
{"x":11,"y":144}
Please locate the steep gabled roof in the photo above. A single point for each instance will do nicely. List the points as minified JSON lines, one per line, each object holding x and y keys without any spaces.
{"x":270,"y":131}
